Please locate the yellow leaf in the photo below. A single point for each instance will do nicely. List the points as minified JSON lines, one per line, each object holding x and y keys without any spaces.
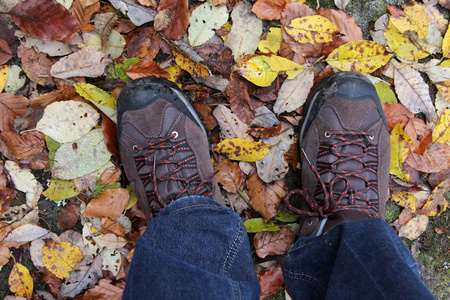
{"x":281,"y":64}
{"x":175,"y":74}
{"x":441,"y":133}
{"x":405,"y":199}
{"x":414,"y":228}
{"x":61,"y":258}
{"x":359,"y":56}
{"x":241,"y":149}
{"x":400,"y":148}
{"x":401,"y":45}
{"x":4,"y":70}
{"x":446,"y":45}
{"x":188,"y":64}
{"x":312,"y":29}
{"x":92,"y":93}
{"x":20,"y":281}
{"x":272,"y":41}
{"x":412,"y":18}
{"x":436,"y":202}
{"x":61,"y":189}
{"x":445,"y":63}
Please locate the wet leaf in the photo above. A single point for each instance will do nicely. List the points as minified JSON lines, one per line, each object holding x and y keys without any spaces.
{"x":412,"y":18}
{"x":109,"y":204}
{"x":265,"y":198}
{"x":441,"y":133}
{"x":20,"y":281}
{"x":5,"y":52}
{"x":188,"y":64}
{"x":230,"y":125}
{"x":274,"y":242}
{"x":145,"y":69}
{"x":204,"y":20}
{"x":269,"y":9}
{"x":67,"y":121}
{"x":414,"y":228}
{"x":271,"y":281}
{"x":293,"y":92}
{"x":242,"y":149}
{"x":230,"y":176}
{"x":60,"y":189}
{"x":258,"y":224}
{"x":437,"y":202}
{"x":359,"y":56}
{"x":403,"y":45}
{"x":245,"y":32}
{"x":400,"y":149}
{"x":178,"y":15}
{"x":45,"y":19}
{"x":82,"y":10}
{"x":84,"y":63}
{"x":25,"y":145}
{"x":137,"y":13}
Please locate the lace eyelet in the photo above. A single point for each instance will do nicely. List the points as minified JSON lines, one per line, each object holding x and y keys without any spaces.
{"x":372,"y":136}
{"x":310,"y":222}
{"x":135,"y":148}
{"x":327,"y":134}
{"x":174,"y":134}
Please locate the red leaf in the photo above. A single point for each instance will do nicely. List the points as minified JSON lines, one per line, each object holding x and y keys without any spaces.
{"x":145,"y":69}
{"x":269,"y":9}
{"x":45,"y":19}
{"x":5,"y":52}
{"x":179,"y":13}
{"x":271,"y":281}
{"x":11,"y":106}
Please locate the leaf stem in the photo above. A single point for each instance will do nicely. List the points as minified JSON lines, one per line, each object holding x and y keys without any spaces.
{"x":245,"y":198}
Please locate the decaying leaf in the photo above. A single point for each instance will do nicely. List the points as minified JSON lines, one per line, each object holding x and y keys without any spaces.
{"x":204,"y":20}
{"x":435,"y":159}
{"x":230,"y":125}
{"x":293,"y":92}
{"x":61,"y":189}
{"x":403,"y":45}
{"x":11,"y":106}
{"x":437,"y":201}
{"x":178,"y":16}
{"x":274,"y":242}
{"x":137,"y":13}
{"x":312,"y":29}
{"x":188,"y":64}
{"x":16,"y":79}
{"x":412,"y":18}
{"x":20,"y":281}
{"x":414,"y":228}
{"x":405,"y":199}
{"x":271,"y":281}
{"x":109,"y":204}
{"x":441,"y":133}
{"x":230,"y":176}
{"x":85,"y":63}
{"x":400,"y":149}
{"x":435,"y":16}
{"x":269,"y":9}
{"x":242,"y":149}
{"x":83,"y":11}
{"x":60,"y":258}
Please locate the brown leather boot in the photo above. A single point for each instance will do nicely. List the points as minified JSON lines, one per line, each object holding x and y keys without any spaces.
{"x":345,"y":152}
{"x":163,"y":145}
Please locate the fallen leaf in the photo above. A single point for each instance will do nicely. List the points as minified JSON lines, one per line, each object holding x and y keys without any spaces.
{"x":145,"y":69}
{"x":269,"y":9}
{"x":24,"y":234}
{"x":230,"y":176}
{"x":82,"y":11}
{"x":111,"y":261}
{"x":264,"y":117}
{"x":61,"y":189}
{"x":204,"y":20}
{"x":103,"y":288}
{"x":230,"y":125}
{"x":115,"y":45}
{"x":60,"y":258}
{"x":274,"y":242}
{"x":400,"y":149}
{"x":312,"y":29}
{"x":240,"y":102}
{"x":436,"y":178}
{"x":385,"y":93}
{"x":103,"y":24}
{"x":341,"y":4}
{"x":258,"y":224}
{"x":179,"y":16}
{"x":440,"y":230}
{"x":441,"y":133}
{"x":16,"y":79}
{"x":405,"y":199}
{"x":242,"y":149}
{"x":111,"y":241}
{"x":4,"y":70}
{"x":25,"y":145}
{"x":265,"y":198}
{"x":44,"y":275}
{"x":36,"y":66}
{"x":109,"y":129}
{"x":110,"y":176}
{"x":294,"y":92}
{"x":265,"y":133}
{"x":245,"y":32}
{"x":111,"y":226}
{"x":434,"y":160}
{"x":412,"y":90}
{"x":67,"y":217}
{"x":81,"y":157}
{"x":46,"y":19}
{"x":97,"y":96}
{"x":217,"y":58}
{"x":137,"y":13}
{"x":414,"y":228}
{"x":396,"y":113}
{"x":359,"y":56}
{"x":437,"y":202}
{"x":271,"y":42}
{"x":4,"y":255}
{"x":435,"y":16}
{"x":271,"y":281}
{"x":84,"y":63}
{"x":67,"y":121}
{"x":5,"y":52}
{"x":52,"y":48}
{"x":11,"y":106}
{"x":292,"y":156}
{"x":420,"y":134}
{"x":65,"y":93}
{"x":206,"y":113}
{"x":403,"y":45}
{"x":145,"y":45}
{"x":412,"y":18}
{"x":20,"y":281}
{"x":109,"y":204}
{"x":188,"y":64}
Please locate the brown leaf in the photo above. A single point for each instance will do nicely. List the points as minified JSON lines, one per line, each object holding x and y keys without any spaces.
{"x":271,"y":281}
{"x":436,"y":178}
{"x":218,"y":58}
{"x":445,"y":3}
{"x":435,"y":159}
{"x":82,"y":10}
{"x":67,"y":217}
{"x":420,"y":133}
{"x":240,"y":102}
{"x":46,"y":19}
{"x":207,"y":115}
{"x":440,"y":230}
{"x":66,"y":93}
{"x":265,"y":133}
{"x":103,"y":24}
{"x":292,"y":156}
{"x":230,"y":176}
{"x":147,"y":3}
{"x":145,"y":45}
{"x":104,"y":290}
{"x":110,"y":176}
{"x":265,"y":198}
{"x":110,"y":226}
{"x":11,"y":106}
{"x":179,"y":13}
{"x":36,"y":65}
{"x":109,"y":129}
{"x":3,"y":179}
{"x":4,"y":255}
{"x":30,"y":119}
{"x":274,"y":242}
{"x":436,"y":202}
{"x":405,"y":216}
{"x":396,"y":113}
{"x":38,"y":162}
{"x":109,"y":204}
{"x":269,"y":9}
{"x":145,"y":69}
{"x":44,"y":275}
{"x":25,"y":145}
{"x":5,"y":52}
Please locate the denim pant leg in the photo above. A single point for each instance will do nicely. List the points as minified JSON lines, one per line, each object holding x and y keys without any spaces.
{"x":194,"y":248}
{"x":355,"y":260}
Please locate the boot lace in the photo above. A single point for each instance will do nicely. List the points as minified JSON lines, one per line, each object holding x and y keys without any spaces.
{"x":161,"y":152}
{"x":333,"y":199}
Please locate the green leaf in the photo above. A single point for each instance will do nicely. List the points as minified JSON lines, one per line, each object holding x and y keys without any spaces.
{"x":258,"y":224}
{"x":385,"y":93}
{"x":117,"y":71}
{"x":100,"y":98}
{"x":52,"y":146}
{"x":287,"y":216}
{"x":204,"y":19}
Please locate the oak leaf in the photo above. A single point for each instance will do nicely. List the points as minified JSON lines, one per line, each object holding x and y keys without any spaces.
{"x":20,"y":281}
{"x":179,"y":15}
{"x":274,"y":242}
{"x":230,"y":176}
{"x":84,"y":63}
{"x":269,"y":9}
{"x":109,"y":204}
{"x":11,"y":106}
{"x":412,"y":18}
{"x":265,"y":198}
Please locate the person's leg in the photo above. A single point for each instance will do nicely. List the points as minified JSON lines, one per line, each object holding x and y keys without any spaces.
{"x":193,"y":249}
{"x":346,"y":250}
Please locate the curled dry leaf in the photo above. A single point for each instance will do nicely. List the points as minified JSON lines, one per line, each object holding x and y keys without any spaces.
{"x":274,"y":242}
{"x":434,"y":160}
{"x":179,"y":16}
{"x":25,"y":145}
{"x":11,"y":106}
{"x":265,"y":198}
{"x":396,"y":113}
{"x":185,"y":62}
{"x":109,"y":204}
{"x":105,"y":288}
{"x":436,"y":202}
{"x":230,"y":176}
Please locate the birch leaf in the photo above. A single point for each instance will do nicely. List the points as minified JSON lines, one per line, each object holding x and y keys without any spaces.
{"x":412,"y":18}
{"x":359,"y":56}
{"x":204,"y":20}
{"x":412,"y":90}
{"x":244,"y":150}
{"x":271,"y":43}
{"x":293,"y":92}
{"x":84,"y":63}
{"x":66,"y":121}
{"x":20,"y":281}
{"x":400,"y":148}
{"x":312,"y":29}
{"x":61,"y":258}
{"x":245,"y":32}
{"x":441,"y":133}
{"x":81,"y":157}
{"x":230,"y":125}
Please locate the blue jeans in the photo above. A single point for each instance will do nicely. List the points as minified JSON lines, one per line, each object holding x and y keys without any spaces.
{"x":197,"y":249}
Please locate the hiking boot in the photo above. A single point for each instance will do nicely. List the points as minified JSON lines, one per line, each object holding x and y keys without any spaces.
{"x":163,"y":145}
{"x":345,"y":155}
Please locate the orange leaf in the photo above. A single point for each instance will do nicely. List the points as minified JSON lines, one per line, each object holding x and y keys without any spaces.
{"x":269,"y":9}
{"x":5,"y":52}
{"x":82,"y":11}
{"x":146,"y":45}
{"x":145,"y":69}
{"x":179,"y":14}
{"x":396,"y":113}
{"x":230,"y":176}
{"x":110,"y":204}
{"x":110,"y":176}
{"x":11,"y":106}
{"x":274,"y":242}
{"x":271,"y":281}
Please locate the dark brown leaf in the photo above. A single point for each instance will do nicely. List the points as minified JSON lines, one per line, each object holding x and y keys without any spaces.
{"x":240,"y":102}
{"x":445,"y":3}
{"x":274,"y":242}
{"x":269,"y":9}
{"x":230,"y":176}
{"x":11,"y":106}
{"x":292,"y":156}
{"x":44,"y":275}
{"x":5,"y":52}
{"x":37,"y":66}
{"x":67,"y":217}
{"x":109,"y":129}
{"x":45,"y":19}
{"x":265,"y":133}
{"x":8,"y":29}
{"x":103,"y":24}
{"x":145,"y":45}
{"x":218,"y":58}
{"x":179,"y":13}
{"x":207,"y":115}
{"x":30,"y":119}
{"x":271,"y":281}
{"x":145,"y":69}
{"x":25,"y":145}
{"x":82,"y":10}
{"x":436,"y":178}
